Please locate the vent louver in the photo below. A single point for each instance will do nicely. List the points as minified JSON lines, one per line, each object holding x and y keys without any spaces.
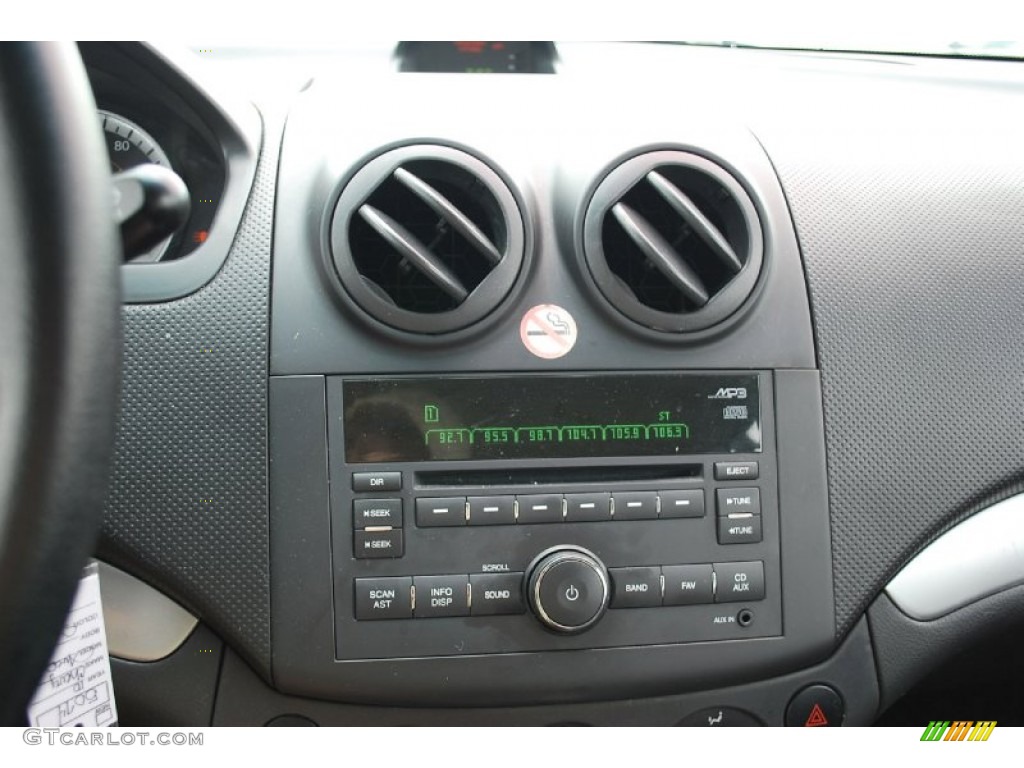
{"x":427,"y":239}
{"x":672,"y":241}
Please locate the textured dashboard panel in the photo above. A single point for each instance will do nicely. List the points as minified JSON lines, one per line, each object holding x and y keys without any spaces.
{"x":188,"y":501}
{"x":910,"y":216}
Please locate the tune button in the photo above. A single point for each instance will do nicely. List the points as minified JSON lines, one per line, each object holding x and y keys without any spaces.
{"x":568,"y":589}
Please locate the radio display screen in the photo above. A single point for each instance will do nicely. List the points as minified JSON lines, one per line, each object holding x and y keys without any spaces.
{"x":549,"y":417}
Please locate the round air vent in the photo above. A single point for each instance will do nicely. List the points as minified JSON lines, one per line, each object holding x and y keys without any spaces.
{"x":427,"y":239}
{"x":672,"y":241}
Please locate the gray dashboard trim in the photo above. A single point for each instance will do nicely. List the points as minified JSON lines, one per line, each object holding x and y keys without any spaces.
{"x":238,"y":126}
{"x":979,"y":557}
{"x":142,"y":624}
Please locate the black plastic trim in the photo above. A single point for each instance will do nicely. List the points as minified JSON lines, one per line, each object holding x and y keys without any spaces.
{"x":243,"y":699}
{"x":906,"y":650}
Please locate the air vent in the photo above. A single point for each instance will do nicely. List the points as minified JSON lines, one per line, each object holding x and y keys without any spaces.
{"x":672,"y":241}
{"x":427,"y":239}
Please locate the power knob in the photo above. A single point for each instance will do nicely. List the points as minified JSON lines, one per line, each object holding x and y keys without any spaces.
{"x":568,"y":589}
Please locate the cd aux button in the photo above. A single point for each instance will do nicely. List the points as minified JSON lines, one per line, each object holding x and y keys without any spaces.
{"x":739,"y":582}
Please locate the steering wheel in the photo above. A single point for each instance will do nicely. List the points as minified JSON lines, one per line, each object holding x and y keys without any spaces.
{"x":60,"y":350}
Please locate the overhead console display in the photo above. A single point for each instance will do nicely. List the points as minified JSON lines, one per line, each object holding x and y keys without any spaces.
{"x":549,"y":417}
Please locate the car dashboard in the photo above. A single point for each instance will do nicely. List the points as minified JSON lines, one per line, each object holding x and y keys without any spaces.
{"x":497,"y":383}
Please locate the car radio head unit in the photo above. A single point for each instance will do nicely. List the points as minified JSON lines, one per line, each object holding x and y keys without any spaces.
{"x":512,"y":513}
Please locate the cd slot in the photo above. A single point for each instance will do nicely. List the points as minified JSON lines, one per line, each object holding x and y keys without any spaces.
{"x":562,"y":476}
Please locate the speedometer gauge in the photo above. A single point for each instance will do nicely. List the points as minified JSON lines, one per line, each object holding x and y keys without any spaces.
{"x":128,"y":145}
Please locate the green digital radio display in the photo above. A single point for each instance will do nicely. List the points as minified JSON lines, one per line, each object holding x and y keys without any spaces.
{"x":549,"y":417}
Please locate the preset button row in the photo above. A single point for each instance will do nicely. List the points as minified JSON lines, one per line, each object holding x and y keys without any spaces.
{"x":528,"y":509}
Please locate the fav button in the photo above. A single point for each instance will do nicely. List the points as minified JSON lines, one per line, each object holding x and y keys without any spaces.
{"x":688,"y":584}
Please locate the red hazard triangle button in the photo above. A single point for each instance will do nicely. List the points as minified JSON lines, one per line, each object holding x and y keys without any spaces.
{"x":815,"y":706}
{"x":816,"y":718}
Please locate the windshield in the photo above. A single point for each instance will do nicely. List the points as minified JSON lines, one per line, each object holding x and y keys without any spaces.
{"x":1002,"y":49}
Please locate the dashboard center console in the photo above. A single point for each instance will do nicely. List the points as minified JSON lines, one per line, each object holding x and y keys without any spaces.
{"x":545,"y":423}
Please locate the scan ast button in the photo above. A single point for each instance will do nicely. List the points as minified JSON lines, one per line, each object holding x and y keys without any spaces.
{"x":387,"y":598}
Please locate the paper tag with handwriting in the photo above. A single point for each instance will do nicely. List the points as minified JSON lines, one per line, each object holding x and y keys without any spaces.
{"x":76,"y":689}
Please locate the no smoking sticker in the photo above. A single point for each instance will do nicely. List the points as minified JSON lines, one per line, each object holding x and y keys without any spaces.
{"x":548,"y":331}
